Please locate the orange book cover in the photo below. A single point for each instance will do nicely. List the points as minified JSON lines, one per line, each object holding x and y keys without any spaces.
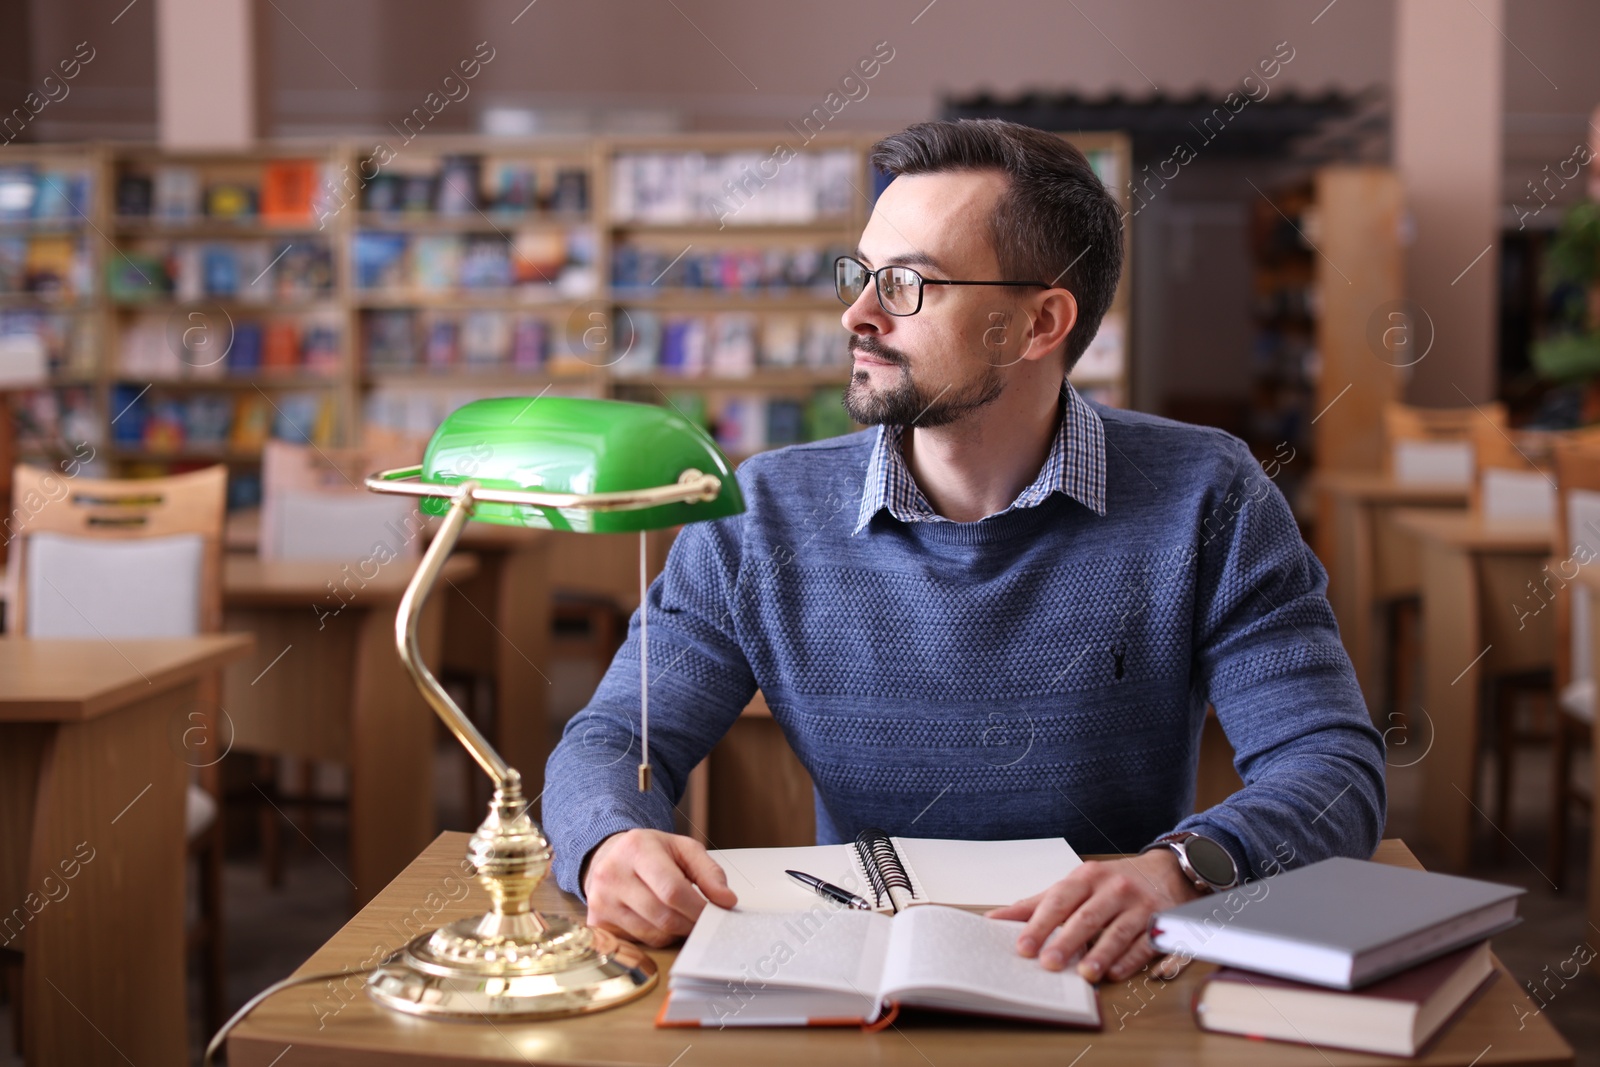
{"x":287,"y":187}
{"x":280,"y":349}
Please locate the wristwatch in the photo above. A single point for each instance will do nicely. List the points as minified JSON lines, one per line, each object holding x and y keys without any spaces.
{"x":1204,"y":862}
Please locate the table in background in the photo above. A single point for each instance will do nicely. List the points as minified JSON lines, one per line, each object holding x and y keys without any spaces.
{"x":327,"y":684}
{"x":1370,"y":560}
{"x":92,"y":757}
{"x":498,"y":624}
{"x":355,"y":1031}
{"x":1474,"y":577}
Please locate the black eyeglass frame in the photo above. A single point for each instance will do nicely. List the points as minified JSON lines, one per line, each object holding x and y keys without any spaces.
{"x":921,"y":281}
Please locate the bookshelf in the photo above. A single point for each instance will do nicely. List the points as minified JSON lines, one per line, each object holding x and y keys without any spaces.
{"x":319,"y":290}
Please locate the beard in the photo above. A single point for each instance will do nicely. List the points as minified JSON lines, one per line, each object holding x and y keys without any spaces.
{"x":905,"y":403}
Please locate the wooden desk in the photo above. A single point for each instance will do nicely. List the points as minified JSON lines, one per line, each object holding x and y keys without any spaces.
{"x":327,"y":684}
{"x":1474,"y":575}
{"x":92,"y":860}
{"x":1590,"y":578}
{"x":1369,"y":559}
{"x":351,"y":1030}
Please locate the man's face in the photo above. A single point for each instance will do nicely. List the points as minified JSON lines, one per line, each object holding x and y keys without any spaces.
{"x":934,"y":367}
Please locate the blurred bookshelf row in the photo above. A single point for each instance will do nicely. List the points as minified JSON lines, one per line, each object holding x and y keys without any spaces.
{"x":172,"y":309}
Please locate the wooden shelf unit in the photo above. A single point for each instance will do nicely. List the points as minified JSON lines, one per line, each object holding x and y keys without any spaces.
{"x":582,"y":309}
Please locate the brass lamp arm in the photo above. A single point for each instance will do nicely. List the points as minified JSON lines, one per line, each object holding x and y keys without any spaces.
{"x":692,"y":487}
{"x":405,"y":634}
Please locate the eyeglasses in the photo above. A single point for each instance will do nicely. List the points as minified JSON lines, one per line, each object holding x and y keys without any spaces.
{"x":899,"y":288}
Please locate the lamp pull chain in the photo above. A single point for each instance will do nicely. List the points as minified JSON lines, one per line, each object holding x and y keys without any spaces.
{"x":644,"y":668}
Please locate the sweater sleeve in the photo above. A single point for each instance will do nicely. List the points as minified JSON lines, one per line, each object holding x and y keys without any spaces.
{"x":1269,"y":659}
{"x":699,"y":683}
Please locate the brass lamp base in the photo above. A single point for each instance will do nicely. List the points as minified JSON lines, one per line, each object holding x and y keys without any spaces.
{"x":512,"y":962}
{"x":611,"y":972}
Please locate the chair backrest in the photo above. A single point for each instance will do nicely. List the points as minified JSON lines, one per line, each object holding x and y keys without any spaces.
{"x":314,"y":506}
{"x":106,"y":557}
{"x":1442,"y":446}
{"x":1577,"y":538}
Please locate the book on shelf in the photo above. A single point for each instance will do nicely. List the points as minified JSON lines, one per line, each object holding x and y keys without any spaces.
{"x":288,"y":190}
{"x":13,"y":264}
{"x":390,"y":342}
{"x":244,"y":355}
{"x":135,"y":196}
{"x":732,"y":340}
{"x":18,"y":191}
{"x":893,"y":873}
{"x":1341,"y":923}
{"x":530,"y":343}
{"x":177,"y":193}
{"x":570,"y":196}
{"x":379,"y":259}
{"x":439,"y":351}
{"x":486,"y":263}
{"x":230,"y":201}
{"x":435,"y":262}
{"x":826,"y":965}
{"x":731,"y":188}
{"x":485,"y":339}
{"x":1395,"y":1016}
{"x":457,"y":187}
{"x":252,"y":422}
{"x":280,"y":347}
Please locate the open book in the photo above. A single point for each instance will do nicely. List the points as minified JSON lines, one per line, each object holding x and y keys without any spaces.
{"x":896,"y":872}
{"x":837,"y":966}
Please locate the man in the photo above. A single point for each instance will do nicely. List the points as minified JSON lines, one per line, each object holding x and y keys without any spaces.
{"x":999,"y":614}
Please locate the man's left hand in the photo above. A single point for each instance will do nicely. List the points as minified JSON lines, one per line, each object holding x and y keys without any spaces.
{"x":1111,"y":898}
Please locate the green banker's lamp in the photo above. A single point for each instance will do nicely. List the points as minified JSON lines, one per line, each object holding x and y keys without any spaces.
{"x":559,"y":463}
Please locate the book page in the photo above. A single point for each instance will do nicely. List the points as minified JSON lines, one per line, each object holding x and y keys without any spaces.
{"x":945,"y":949}
{"x":756,"y":875}
{"x":823,"y":948}
{"x":984,"y":874}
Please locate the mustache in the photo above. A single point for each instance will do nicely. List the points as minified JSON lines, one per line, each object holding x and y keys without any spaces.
{"x":870,"y":345}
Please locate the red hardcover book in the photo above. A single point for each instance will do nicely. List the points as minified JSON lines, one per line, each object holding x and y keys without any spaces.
{"x":1395,"y":1016}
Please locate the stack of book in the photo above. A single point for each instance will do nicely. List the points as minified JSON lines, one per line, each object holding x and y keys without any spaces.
{"x":807,"y":268}
{"x":1343,"y":953}
{"x":285,"y":193}
{"x":462,"y":185}
{"x":730,"y":344}
{"x":212,"y":422}
{"x":30,"y":195}
{"x":250,"y":271}
{"x":676,"y":188}
{"x":402,"y":340}
{"x":434,"y":264}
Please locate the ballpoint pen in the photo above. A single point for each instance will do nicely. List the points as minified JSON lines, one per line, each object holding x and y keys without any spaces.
{"x":829,"y":891}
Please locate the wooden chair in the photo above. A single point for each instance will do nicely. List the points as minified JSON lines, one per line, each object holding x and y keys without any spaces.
{"x":136,"y":558}
{"x":1577,"y":463}
{"x":315,"y":507}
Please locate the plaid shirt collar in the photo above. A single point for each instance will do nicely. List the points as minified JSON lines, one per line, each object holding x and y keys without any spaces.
{"x":1075,"y":466}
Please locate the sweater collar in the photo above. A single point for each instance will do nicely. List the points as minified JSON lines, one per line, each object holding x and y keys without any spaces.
{"x":1075,"y":466}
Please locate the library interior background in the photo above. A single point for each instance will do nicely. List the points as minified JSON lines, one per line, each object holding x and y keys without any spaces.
{"x":286,"y":239}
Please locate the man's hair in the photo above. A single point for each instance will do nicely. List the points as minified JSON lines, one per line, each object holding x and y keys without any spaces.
{"x":1055,"y":223}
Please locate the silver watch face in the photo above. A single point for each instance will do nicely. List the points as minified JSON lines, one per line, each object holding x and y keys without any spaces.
{"x":1210,"y":861}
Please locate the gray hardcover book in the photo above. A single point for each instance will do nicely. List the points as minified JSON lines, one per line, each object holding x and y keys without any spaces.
{"x":1340,"y":923}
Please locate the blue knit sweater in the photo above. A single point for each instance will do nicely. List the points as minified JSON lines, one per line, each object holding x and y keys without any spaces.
{"x":1042,"y":672}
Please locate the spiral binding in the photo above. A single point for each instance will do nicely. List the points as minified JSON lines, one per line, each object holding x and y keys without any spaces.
{"x":882,"y":864}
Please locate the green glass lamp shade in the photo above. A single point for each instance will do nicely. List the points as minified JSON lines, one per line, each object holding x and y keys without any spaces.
{"x":579,"y":446}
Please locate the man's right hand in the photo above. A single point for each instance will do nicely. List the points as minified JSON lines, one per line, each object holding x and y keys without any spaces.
{"x":641,"y":885}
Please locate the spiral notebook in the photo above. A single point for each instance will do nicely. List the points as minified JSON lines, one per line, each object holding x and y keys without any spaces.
{"x":893,"y":873}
